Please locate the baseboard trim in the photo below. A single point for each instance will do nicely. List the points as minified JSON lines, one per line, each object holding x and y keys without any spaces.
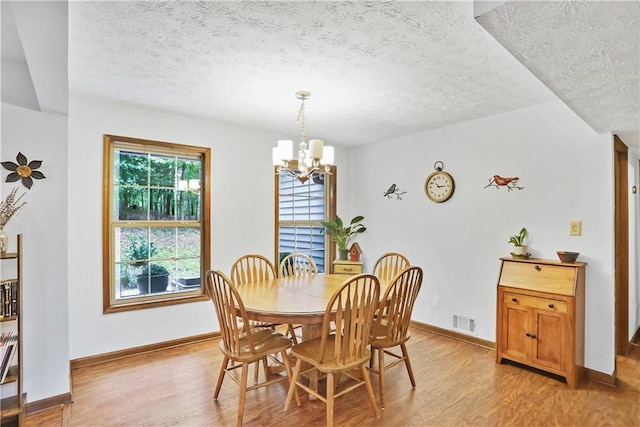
{"x":600,"y":377}
{"x":134,"y":351}
{"x":48,"y":403}
{"x":455,"y":335}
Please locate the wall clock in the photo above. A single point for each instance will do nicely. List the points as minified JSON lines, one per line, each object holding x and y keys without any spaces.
{"x":439,"y":185}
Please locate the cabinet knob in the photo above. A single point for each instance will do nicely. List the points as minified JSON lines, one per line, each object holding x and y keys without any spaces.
{"x":550,"y":305}
{"x":514,"y":299}
{"x":528,"y":334}
{"x":533,"y":336}
{"x":537,"y":267}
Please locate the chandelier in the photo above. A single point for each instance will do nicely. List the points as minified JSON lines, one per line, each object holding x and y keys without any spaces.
{"x":313,"y":159}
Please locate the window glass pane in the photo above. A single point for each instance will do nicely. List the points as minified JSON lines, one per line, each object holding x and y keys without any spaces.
{"x":130,"y":168}
{"x":134,"y":245}
{"x":188,"y":170}
{"x":303,"y":239}
{"x":188,"y":205}
{"x":163,"y":240}
{"x":189,"y":242}
{"x":162,"y":171}
{"x":131,"y":204}
{"x":162,"y":204}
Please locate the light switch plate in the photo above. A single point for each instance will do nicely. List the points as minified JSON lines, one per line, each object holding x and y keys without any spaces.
{"x":575,"y":228}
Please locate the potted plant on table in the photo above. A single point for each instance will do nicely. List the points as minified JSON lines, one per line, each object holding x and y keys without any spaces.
{"x":342,"y":234}
{"x":520,"y":250}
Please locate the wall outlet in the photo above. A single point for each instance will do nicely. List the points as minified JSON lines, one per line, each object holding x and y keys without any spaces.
{"x":436,"y":302}
{"x":575,"y":228}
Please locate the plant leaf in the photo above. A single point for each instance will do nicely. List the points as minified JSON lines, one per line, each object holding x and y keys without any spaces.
{"x":357,"y":219}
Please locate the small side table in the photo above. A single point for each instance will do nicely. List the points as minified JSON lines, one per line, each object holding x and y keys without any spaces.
{"x":347,"y":267}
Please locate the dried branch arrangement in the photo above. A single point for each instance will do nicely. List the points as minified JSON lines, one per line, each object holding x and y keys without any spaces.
{"x":10,"y":207}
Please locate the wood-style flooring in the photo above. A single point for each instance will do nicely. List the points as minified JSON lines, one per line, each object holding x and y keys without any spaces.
{"x":458,"y":384}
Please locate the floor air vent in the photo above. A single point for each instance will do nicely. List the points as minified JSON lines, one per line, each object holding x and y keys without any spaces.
{"x":464,"y":323}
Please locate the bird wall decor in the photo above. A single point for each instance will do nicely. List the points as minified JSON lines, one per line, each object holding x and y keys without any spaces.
{"x":394,"y":190}
{"x":499,"y":181}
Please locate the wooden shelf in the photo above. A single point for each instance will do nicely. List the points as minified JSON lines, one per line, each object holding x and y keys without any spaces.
{"x":12,"y":375}
{"x":9,"y":255}
{"x":12,"y":406}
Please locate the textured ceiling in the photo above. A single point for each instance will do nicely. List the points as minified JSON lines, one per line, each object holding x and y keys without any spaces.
{"x":588,"y":53}
{"x":376,"y":70}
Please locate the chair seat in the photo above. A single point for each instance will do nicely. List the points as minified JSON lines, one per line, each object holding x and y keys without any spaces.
{"x":266,"y":341}
{"x":379,"y":336}
{"x":309,"y":351}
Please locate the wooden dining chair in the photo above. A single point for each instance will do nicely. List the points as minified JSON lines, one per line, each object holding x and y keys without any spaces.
{"x":240,"y":346}
{"x":391,"y":328}
{"x":252,"y":268}
{"x":390,"y":264}
{"x":336,"y":352}
{"x":296,"y":265}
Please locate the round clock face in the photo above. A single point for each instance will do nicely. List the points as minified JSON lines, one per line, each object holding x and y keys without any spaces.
{"x":439,"y":186}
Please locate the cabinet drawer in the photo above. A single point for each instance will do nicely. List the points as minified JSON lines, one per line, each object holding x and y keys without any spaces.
{"x":539,"y":277}
{"x":347,"y":268}
{"x":535,"y":302}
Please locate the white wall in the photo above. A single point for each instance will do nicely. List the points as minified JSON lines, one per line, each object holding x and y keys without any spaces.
{"x":242,"y":218}
{"x":567,"y":172}
{"x":43,"y":223}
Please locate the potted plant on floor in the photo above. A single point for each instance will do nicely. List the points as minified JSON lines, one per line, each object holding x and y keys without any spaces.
{"x":153,"y":278}
{"x":342,"y":234}
{"x":520,"y":250}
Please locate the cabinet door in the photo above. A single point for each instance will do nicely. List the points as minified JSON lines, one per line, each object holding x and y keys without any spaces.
{"x":516,"y":325}
{"x":550,"y":338}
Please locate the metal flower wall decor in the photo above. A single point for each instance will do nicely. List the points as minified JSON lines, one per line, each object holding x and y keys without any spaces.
{"x":24,"y":170}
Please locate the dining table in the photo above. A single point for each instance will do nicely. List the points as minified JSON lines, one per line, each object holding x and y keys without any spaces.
{"x":294,"y":300}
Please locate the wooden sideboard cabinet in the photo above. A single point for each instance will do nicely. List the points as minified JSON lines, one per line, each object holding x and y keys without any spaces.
{"x":540,"y":316}
{"x":347,"y":267}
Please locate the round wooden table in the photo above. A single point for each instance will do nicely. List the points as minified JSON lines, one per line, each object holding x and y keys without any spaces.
{"x":289,"y":300}
{"x":294,"y":300}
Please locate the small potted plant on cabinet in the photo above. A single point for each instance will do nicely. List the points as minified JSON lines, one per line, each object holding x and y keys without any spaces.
{"x":520,"y":250}
{"x":342,"y":234}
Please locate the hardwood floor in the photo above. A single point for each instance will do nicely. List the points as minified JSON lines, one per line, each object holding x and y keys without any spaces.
{"x":457,"y":384}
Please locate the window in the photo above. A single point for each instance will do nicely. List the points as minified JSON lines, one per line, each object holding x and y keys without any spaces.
{"x":155,"y":223}
{"x":300,"y":208}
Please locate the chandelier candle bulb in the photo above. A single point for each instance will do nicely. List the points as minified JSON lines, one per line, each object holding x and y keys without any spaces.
{"x":327,"y":155}
{"x":315,"y":148}
{"x":285,"y":147}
